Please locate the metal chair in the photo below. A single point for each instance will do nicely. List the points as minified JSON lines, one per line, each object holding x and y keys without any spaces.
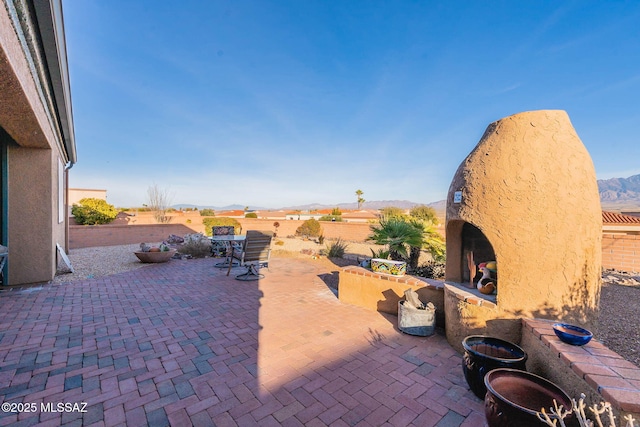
{"x":255,"y":253}
{"x":222,"y":247}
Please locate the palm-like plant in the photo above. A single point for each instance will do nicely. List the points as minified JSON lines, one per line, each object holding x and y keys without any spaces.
{"x":431,"y":241}
{"x":398,"y":235}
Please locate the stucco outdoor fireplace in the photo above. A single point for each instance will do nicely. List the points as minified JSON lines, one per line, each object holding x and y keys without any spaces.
{"x":527,"y":198}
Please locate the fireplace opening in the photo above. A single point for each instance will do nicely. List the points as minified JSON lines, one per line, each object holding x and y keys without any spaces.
{"x":476,"y":246}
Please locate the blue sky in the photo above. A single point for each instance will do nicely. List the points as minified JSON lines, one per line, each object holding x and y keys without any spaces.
{"x":280,"y":103}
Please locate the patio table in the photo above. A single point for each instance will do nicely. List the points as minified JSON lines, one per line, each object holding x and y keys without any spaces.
{"x":231,"y":239}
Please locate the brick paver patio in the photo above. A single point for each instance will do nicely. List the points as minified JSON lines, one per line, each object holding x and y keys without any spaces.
{"x":182,"y":344}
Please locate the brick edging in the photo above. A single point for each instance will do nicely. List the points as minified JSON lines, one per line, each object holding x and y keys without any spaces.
{"x":407,"y":279}
{"x":614,"y":378}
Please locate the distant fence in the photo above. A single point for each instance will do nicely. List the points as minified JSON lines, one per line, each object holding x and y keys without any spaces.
{"x":84,"y":236}
{"x":619,"y":251}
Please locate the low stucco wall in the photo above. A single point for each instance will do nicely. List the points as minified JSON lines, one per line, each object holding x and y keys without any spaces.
{"x":381,"y":292}
{"x":144,"y":224}
{"x":87,"y":236}
{"x":468,"y":313}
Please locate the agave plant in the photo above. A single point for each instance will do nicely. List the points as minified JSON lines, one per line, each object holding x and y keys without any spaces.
{"x":398,"y":235}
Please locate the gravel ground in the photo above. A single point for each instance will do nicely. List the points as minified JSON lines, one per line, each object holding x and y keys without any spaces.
{"x":619,"y":319}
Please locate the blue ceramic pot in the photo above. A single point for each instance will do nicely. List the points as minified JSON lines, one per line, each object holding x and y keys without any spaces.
{"x":572,"y":334}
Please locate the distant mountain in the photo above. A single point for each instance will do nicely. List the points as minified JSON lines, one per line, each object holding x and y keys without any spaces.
{"x":618,"y":194}
{"x":376,"y":204}
{"x":216,"y":208}
{"x":439,"y":206}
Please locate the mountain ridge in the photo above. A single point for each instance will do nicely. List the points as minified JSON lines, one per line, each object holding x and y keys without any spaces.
{"x":616,"y":194}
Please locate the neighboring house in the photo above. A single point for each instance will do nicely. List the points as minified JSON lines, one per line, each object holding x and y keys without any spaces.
{"x":303,"y":216}
{"x":632,"y":213}
{"x":362,"y":215}
{"x":275,"y":215}
{"x":37,"y":144}
{"x":615,"y":223}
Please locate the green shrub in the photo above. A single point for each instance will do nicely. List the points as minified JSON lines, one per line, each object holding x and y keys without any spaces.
{"x":424,"y":213}
{"x":337,"y":249}
{"x":334,"y":218}
{"x":92,"y":211}
{"x":251,"y":215}
{"x":210,"y":222}
{"x":207,"y":212}
{"x":309,"y":228}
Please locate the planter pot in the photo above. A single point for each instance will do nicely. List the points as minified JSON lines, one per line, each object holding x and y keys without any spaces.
{"x":483,"y":354}
{"x":155,"y":256}
{"x":514,"y":398}
{"x":572,"y":334}
{"x":396,"y":268}
{"x":413,"y":321}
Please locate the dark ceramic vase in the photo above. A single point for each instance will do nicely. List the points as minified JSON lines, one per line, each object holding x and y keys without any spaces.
{"x":514,"y":398}
{"x":483,"y":354}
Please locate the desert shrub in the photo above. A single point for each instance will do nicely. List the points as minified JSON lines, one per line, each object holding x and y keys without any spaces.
{"x":431,"y":270}
{"x":279,"y":243}
{"x":392,"y":212}
{"x":309,"y":228}
{"x":424,"y":213}
{"x":92,"y":211}
{"x":334,"y":218}
{"x":251,"y":215}
{"x":337,"y":249}
{"x":218,"y":221}
{"x":207,"y":212}
{"x":197,"y":245}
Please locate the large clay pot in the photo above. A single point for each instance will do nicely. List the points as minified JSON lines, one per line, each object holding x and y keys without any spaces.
{"x":483,"y":354}
{"x":514,"y":398}
{"x":155,"y":256}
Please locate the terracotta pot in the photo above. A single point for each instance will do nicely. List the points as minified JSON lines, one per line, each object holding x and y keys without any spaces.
{"x":483,"y":354}
{"x":514,"y":398}
{"x":155,"y":256}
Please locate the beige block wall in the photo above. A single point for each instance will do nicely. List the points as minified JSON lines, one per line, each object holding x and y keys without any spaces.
{"x":349,"y":231}
{"x":621,"y":252}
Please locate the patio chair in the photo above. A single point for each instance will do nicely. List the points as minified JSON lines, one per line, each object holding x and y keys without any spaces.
{"x":255,"y":253}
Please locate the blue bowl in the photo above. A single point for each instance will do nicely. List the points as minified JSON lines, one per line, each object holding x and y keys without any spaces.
{"x":572,"y":334}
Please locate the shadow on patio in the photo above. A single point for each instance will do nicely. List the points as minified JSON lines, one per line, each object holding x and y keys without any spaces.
{"x":181,"y":343}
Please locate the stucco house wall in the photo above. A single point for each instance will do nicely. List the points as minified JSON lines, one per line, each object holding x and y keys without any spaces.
{"x":37,"y":145}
